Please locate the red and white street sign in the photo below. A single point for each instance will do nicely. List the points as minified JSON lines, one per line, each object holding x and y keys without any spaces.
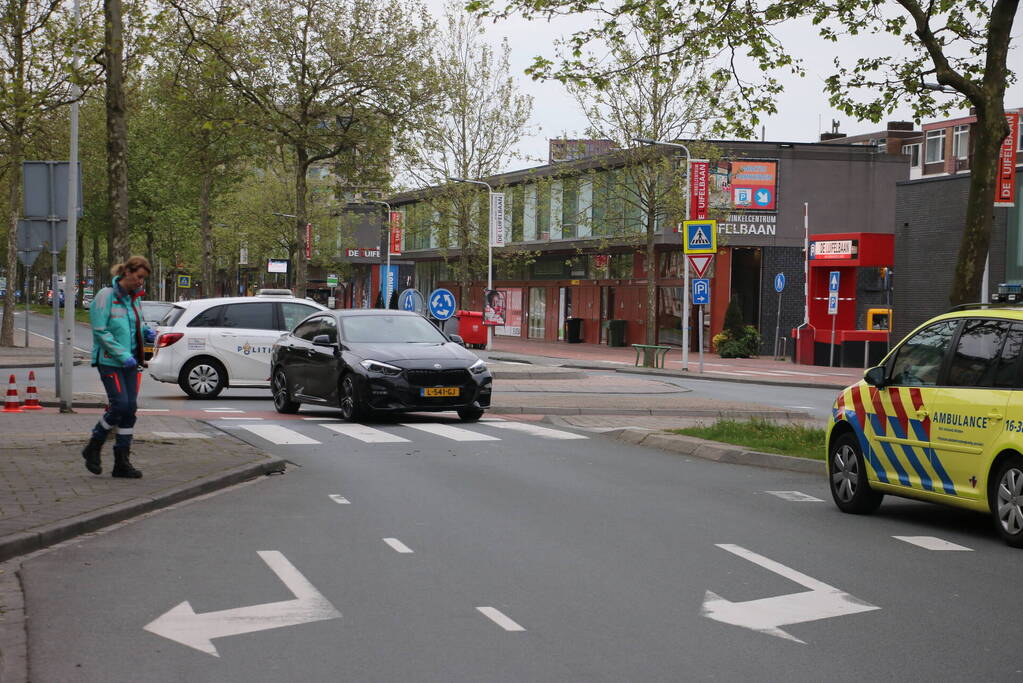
{"x":1005,"y":184}
{"x":396,"y":231}
{"x":308,"y":241}
{"x":700,"y":262}
{"x":699,"y":188}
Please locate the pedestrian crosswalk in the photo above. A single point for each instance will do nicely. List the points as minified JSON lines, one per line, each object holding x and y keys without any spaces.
{"x":314,"y":433}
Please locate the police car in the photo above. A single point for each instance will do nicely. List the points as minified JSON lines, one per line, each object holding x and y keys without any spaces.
{"x":207,"y":345}
{"x":941,"y":420}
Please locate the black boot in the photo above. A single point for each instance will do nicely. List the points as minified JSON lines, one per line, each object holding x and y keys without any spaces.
{"x":91,"y":453}
{"x":122,"y":466}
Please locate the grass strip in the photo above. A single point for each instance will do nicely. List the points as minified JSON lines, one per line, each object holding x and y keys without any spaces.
{"x":765,"y":436}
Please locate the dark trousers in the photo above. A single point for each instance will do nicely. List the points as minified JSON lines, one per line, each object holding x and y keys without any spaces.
{"x":122,"y":387}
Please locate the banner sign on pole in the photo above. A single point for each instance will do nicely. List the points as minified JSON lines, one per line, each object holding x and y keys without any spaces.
{"x":700,"y":237}
{"x":308,"y":241}
{"x":699,"y":189}
{"x":388,"y":282}
{"x":396,"y":232}
{"x":1005,"y":185}
{"x":497,"y":219}
{"x":700,"y":263}
{"x":494,"y":307}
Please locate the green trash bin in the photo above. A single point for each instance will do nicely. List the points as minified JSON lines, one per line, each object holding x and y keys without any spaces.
{"x":616,"y":333}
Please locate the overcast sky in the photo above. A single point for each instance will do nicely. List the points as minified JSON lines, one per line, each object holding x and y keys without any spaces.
{"x":804,"y":111}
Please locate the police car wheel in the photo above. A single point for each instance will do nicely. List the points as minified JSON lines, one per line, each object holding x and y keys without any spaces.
{"x":349,"y":399}
{"x":202,"y":378}
{"x":282,"y":400}
{"x":1007,"y":501}
{"x":847,"y":478}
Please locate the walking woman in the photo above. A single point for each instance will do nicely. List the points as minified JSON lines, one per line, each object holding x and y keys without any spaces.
{"x":117,"y":352}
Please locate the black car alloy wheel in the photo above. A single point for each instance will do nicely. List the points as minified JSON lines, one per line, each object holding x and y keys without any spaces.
{"x":282,"y":400}
{"x":351,"y":405}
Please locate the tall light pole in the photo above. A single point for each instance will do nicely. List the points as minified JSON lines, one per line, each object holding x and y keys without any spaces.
{"x":685,"y":264}
{"x":490,"y":244}
{"x":390,"y":228}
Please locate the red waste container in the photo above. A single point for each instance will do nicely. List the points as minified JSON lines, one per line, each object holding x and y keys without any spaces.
{"x":471,"y":329}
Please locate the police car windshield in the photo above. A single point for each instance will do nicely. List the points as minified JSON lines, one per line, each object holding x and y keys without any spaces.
{"x":392,"y":329}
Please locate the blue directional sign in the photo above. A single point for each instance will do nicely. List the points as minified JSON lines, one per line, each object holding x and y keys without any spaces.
{"x":762,"y":197}
{"x":442,"y":304}
{"x":701,"y":291}
{"x":833,"y":280}
{"x":779,"y":282}
{"x":412,"y":300}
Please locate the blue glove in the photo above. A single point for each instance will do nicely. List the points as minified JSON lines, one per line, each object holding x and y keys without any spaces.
{"x":131,"y":363}
{"x":149,"y":335}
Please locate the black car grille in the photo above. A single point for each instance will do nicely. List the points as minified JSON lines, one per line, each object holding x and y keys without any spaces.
{"x":437,"y":378}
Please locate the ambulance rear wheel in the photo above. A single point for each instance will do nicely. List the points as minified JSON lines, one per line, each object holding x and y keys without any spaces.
{"x":1007,"y":501}
{"x":847,"y":477}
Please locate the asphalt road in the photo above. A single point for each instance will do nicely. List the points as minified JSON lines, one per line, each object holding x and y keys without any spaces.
{"x":527,"y":558}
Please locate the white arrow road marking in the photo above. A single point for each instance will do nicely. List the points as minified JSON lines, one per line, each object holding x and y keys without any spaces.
{"x":767,"y":615}
{"x":339,"y":499}
{"x":183,"y":625}
{"x":795,"y":496}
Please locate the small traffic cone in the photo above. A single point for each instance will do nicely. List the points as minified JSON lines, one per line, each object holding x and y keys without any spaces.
{"x":11,"y":403}
{"x":31,"y":398}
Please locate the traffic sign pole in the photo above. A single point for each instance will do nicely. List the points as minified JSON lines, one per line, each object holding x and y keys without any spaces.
{"x":833,"y":281}
{"x":685,"y":318}
{"x":779,"y":285}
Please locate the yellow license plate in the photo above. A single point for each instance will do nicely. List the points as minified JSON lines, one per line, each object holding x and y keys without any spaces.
{"x":440,"y":391}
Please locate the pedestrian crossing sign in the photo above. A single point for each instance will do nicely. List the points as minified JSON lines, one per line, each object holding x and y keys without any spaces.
{"x":701,"y":237}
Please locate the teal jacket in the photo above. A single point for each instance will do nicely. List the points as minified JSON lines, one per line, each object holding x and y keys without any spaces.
{"x":117,"y":328}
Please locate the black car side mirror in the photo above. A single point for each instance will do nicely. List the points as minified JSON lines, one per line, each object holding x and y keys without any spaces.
{"x":457,"y":339}
{"x":875,"y":377}
{"x":322,"y":340}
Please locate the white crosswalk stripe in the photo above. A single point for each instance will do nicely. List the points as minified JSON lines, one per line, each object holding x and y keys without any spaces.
{"x":277,"y":434}
{"x":537,"y":430}
{"x":449,"y":432}
{"x":365,"y":434}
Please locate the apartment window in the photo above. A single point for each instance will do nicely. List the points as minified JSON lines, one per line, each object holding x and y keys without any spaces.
{"x":961,"y":142}
{"x":913,"y":152}
{"x":935,"y":150}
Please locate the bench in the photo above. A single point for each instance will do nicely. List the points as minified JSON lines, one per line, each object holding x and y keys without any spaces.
{"x":651,"y":351}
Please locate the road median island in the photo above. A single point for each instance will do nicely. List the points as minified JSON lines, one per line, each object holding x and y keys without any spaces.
{"x":747,"y":443}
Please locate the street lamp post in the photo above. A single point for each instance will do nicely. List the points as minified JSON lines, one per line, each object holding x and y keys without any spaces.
{"x":390,"y":228}
{"x":685,"y":264}
{"x":490,"y":244}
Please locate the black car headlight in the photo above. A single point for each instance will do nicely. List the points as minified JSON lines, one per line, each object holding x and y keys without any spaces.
{"x":379,"y":368}
{"x":478,"y":368}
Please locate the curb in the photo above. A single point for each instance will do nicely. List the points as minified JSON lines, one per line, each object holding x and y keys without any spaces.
{"x":51,"y":534}
{"x":510,"y":376}
{"x":739,"y":380}
{"x":27,"y":364}
{"x":648,"y":412}
{"x":716,"y":451}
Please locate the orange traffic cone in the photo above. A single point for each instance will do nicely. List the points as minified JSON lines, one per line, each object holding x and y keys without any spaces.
{"x":11,"y":403}
{"x":31,"y":398}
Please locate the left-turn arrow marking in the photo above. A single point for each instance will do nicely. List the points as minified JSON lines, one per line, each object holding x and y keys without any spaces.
{"x":183,"y":625}
{"x":768,"y":615}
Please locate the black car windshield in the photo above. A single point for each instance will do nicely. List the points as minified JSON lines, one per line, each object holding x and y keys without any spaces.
{"x":395,"y":329}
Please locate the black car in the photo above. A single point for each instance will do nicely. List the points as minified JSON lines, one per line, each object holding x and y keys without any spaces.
{"x":366,"y":361}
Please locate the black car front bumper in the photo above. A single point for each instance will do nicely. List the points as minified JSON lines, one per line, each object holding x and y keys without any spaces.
{"x":404,"y":392}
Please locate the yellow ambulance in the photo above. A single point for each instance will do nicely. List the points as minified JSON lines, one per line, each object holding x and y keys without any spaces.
{"x":941,"y":420}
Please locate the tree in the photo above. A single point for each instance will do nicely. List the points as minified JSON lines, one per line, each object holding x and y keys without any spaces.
{"x":481,"y":119}
{"x":36,"y":40}
{"x":962,"y":44}
{"x":324,"y":78}
{"x":672,"y":99}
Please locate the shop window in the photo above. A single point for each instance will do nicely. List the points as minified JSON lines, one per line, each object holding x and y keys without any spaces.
{"x":934,"y":151}
{"x":512,"y":315}
{"x":622,"y":266}
{"x":529,"y":214}
{"x":600,"y":266}
{"x":672,"y":264}
{"x":537,"y":312}
{"x":569,"y":207}
{"x":517,"y":206}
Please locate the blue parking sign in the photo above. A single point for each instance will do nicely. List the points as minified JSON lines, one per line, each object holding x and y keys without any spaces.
{"x":442,"y":304}
{"x":701,"y":291}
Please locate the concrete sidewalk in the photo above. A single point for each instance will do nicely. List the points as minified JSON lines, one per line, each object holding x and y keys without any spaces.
{"x":623,"y":359}
{"x":47,"y":495}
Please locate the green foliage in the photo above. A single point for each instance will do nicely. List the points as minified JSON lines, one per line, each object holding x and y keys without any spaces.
{"x":763,"y":435}
{"x":736,"y":339}
{"x":733,"y":323}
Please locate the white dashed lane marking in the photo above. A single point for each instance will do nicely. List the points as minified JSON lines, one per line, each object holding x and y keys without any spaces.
{"x":537,"y":430}
{"x":795,"y":496}
{"x":500,"y":619}
{"x":398,"y":545}
{"x":932,"y":543}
